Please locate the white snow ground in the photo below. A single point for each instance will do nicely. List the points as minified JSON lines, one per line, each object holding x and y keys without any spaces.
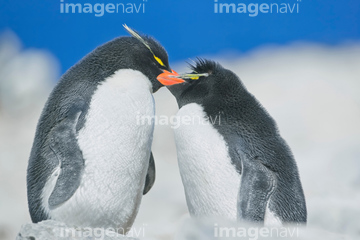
{"x":312,"y":91}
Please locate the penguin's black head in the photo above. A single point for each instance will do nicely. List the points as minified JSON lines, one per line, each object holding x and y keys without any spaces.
{"x":151,"y":59}
{"x":141,"y":53}
{"x":207,"y":80}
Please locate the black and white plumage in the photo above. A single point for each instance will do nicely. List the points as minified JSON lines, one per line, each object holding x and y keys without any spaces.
{"x":90,"y":162}
{"x":232,"y":159}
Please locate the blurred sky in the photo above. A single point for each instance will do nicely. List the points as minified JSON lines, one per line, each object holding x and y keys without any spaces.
{"x":186,"y":28}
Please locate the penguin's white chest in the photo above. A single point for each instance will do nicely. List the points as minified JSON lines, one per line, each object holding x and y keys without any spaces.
{"x":116,"y":150}
{"x":210,"y":180}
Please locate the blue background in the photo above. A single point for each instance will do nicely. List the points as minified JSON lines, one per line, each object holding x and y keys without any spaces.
{"x":185,"y":28}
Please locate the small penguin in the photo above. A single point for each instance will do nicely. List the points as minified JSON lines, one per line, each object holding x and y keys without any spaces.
{"x":91,"y":162}
{"x":233,"y":162}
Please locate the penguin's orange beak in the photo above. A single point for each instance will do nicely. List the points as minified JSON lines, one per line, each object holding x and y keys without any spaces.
{"x":169,"y":78}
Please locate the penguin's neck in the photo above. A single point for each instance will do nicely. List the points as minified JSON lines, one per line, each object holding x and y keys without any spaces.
{"x":128,"y":80}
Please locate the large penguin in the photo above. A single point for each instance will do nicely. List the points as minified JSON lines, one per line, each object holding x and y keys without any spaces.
{"x":232,"y":159}
{"x":91,"y":162}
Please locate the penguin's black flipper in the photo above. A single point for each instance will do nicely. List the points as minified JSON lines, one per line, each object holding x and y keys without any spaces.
{"x":257,"y":185}
{"x":150,"y":176}
{"x":64,"y":146}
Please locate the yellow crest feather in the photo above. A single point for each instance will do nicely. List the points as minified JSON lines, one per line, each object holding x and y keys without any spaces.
{"x":137,"y":36}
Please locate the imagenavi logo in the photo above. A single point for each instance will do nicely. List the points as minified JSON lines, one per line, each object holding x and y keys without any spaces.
{"x":254,"y":9}
{"x":99,"y":9}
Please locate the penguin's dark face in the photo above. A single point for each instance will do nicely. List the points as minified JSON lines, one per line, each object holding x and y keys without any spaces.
{"x":130,"y":53}
{"x":153,"y":60}
{"x":141,"y":53}
{"x":207,"y":80}
{"x":151,"y":63}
